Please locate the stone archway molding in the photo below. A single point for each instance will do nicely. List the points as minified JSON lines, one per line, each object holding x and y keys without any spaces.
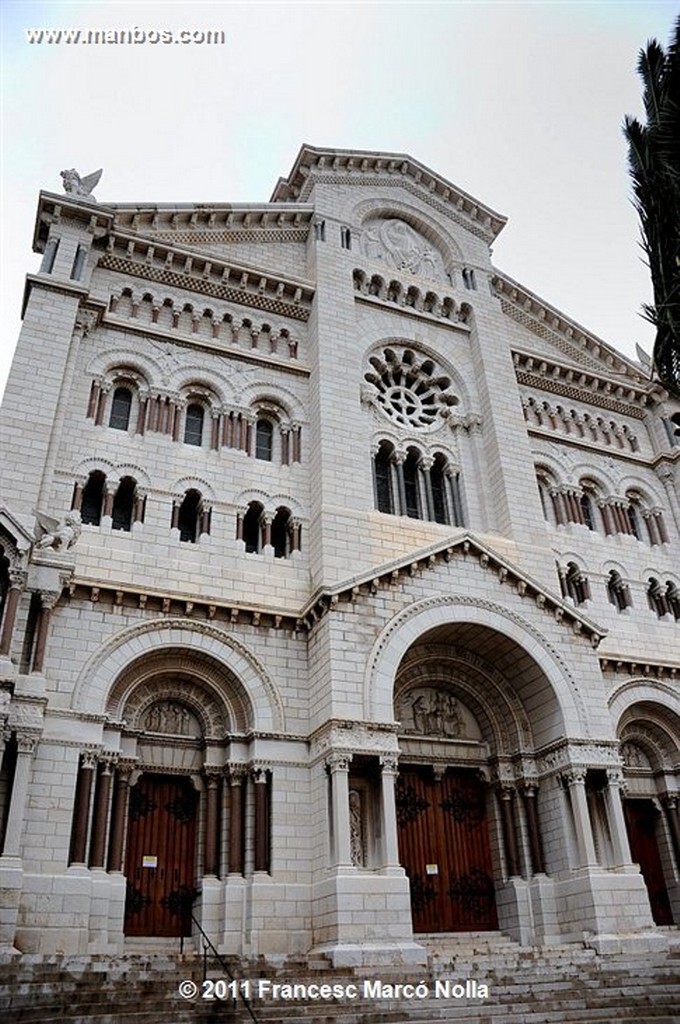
{"x":101,"y":672}
{"x":405,"y":628}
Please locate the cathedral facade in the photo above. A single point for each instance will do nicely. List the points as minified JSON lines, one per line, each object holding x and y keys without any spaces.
{"x":339,"y":582}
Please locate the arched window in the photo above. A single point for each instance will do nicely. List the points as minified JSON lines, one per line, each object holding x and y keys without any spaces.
{"x":618,"y":591}
{"x":252,"y":527}
{"x":193,"y":425}
{"x":124,"y":504}
{"x":264,"y":439}
{"x":382,"y":473}
{"x":412,"y":485}
{"x":121,"y":405}
{"x":93,"y":499}
{"x":587,"y":510}
{"x":188,"y":517}
{"x":575,"y":584}
{"x":634,"y":519}
{"x":440,"y":509}
{"x":673,"y":598}
{"x":657,"y":597}
{"x":281,"y":534}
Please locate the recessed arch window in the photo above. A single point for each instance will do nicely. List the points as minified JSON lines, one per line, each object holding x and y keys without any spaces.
{"x":281,"y":533}
{"x":264,"y":439}
{"x":618,"y":591}
{"x":193,"y":424}
{"x":634,"y":519}
{"x":93,"y":498}
{"x":124,"y":504}
{"x":121,"y":405}
{"x":252,"y":527}
{"x":411,"y":471}
{"x":383,"y":478}
{"x":188,"y":516}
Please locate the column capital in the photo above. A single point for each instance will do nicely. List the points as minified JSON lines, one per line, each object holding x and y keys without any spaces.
{"x":258,"y":774}
{"x":49,"y":598}
{"x":575,"y":776}
{"x":27,"y":740}
{"x":17,"y":578}
{"x":389,"y":764}
{"x":615,"y":777}
{"x":338,"y":761}
{"x":236,"y":773}
{"x":89,"y":758}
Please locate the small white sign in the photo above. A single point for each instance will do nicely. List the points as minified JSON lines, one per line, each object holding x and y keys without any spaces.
{"x":149,"y":862}
{"x":432,"y":869}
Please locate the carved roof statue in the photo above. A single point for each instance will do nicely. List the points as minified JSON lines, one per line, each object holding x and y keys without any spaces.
{"x":58,"y":534}
{"x":81,"y":187}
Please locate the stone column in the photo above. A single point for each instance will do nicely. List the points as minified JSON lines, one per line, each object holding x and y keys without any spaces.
{"x":261,"y":861}
{"x":585,"y":845}
{"x":389,"y":766}
{"x":26,"y":744}
{"x":211,"y":866}
{"x":665,"y":474}
{"x":48,"y":600}
{"x":17,"y":581}
{"x":426,"y":464}
{"x":399,"y":458}
{"x":266,"y":527}
{"x":118,"y":815}
{"x":236,"y":823}
{"x":507,"y":795}
{"x":101,"y":814}
{"x":617,"y":823}
{"x":670,"y":804}
{"x":81,"y":809}
{"x":342,"y":848}
{"x":535,"y":845}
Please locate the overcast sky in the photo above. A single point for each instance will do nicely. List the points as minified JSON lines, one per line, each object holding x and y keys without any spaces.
{"x":519,"y":104}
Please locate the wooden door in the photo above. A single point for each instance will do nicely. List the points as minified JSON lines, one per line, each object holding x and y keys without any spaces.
{"x":641,"y":821}
{"x":444,"y":847}
{"x":159,"y":861}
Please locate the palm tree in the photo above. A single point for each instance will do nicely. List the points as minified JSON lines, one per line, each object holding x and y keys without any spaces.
{"x":654,"y":163}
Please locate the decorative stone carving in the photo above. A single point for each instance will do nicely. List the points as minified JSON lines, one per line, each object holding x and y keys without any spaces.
{"x":397,"y":244}
{"x":171,"y":718}
{"x":58,"y":534}
{"x":82,"y":188}
{"x":634,"y":757}
{"x":356,"y":829}
{"x":435,"y":711}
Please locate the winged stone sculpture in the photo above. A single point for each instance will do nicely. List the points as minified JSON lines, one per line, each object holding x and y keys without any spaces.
{"x":81,"y":187}
{"x":58,"y":534}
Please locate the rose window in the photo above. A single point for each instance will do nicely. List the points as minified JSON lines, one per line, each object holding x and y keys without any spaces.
{"x":408,"y":389}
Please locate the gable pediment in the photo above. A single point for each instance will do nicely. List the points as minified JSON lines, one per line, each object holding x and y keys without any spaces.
{"x":388,"y":171}
{"x":430,"y":558}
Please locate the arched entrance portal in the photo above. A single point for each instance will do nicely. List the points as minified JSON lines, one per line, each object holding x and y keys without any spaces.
{"x":649,"y":732}
{"x":466,"y":793}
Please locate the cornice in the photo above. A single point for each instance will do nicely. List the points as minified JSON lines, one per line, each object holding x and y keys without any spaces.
{"x":193,"y":271}
{"x":582,"y":384}
{"x":614,"y":664}
{"x":554,"y":436}
{"x":577,"y":342}
{"x":216,"y":222}
{"x":361,"y":167}
{"x":52,"y":208}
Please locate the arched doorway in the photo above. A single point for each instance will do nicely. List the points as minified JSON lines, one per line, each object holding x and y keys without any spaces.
{"x":466,"y":777}
{"x":648,"y":733}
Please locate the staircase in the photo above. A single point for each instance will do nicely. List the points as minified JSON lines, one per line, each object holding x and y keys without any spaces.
{"x":558,"y":985}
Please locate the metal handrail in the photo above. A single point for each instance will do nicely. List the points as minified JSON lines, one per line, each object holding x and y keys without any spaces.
{"x":223,"y":964}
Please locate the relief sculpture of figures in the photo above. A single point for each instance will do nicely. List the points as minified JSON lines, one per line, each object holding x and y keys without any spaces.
{"x":395,"y":242}
{"x":436,"y":714}
{"x":80,"y":187}
{"x":58,"y":534}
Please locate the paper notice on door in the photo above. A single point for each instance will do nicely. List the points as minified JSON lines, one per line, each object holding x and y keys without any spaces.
{"x":149,"y":862}
{"x":432,"y":869}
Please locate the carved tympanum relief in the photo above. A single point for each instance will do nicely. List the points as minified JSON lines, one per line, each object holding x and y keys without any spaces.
{"x":634,"y":756}
{"x":397,"y":244}
{"x":171,"y":719}
{"x":433,"y":711}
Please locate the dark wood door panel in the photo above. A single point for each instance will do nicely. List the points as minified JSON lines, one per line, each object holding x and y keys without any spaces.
{"x":159,"y":862}
{"x":641,"y":822}
{"x":444,"y":848}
